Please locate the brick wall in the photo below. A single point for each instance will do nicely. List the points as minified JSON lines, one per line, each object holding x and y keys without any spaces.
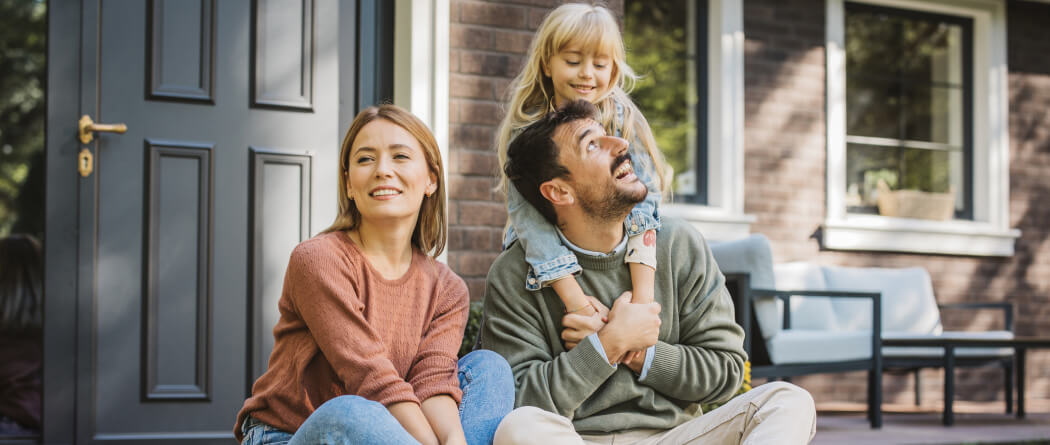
{"x":784,"y":168}
{"x":785,"y":189}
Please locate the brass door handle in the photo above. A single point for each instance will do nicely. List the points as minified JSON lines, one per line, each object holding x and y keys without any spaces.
{"x":88,"y":127}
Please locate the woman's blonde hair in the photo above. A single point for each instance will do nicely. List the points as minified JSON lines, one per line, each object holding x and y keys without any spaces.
{"x":430,"y":233}
{"x":531,"y":93}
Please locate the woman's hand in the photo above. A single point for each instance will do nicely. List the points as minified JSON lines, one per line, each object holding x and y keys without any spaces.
{"x":442,"y":413}
{"x":412,"y":418}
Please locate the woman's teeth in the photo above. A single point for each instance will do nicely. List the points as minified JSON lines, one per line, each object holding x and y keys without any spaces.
{"x":385,"y":192}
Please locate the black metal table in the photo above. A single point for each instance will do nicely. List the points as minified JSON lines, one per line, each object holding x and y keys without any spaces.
{"x":1020,"y":345}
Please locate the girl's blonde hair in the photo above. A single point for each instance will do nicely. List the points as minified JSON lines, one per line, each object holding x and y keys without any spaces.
{"x":430,"y":233}
{"x":531,"y":93}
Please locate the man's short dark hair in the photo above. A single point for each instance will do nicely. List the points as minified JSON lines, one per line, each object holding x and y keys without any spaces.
{"x":532,"y":157}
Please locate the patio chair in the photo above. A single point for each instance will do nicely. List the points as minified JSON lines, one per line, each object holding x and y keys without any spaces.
{"x":908,"y":310}
{"x":788,"y":330}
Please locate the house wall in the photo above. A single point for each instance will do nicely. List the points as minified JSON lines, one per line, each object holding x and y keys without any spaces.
{"x":784,"y":168}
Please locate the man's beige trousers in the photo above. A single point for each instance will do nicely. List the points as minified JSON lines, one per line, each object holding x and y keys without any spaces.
{"x":774,"y":413}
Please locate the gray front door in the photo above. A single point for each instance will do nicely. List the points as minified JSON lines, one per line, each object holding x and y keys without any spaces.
{"x":233,"y":128}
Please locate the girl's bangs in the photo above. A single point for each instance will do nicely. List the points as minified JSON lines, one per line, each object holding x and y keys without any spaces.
{"x":591,"y":32}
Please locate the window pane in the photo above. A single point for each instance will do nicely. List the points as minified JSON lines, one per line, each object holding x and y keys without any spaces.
{"x":872,"y":107}
{"x":872,"y":44}
{"x":931,"y":51}
{"x":661,"y":39}
{"x":866,"y":165}
{"x":934,"y":114}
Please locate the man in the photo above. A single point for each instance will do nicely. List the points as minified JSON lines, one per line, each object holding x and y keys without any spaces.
{"x":570,"y":384}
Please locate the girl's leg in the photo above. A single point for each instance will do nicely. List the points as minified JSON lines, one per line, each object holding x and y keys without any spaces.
{"x":488,"y":394}
{"x":351,"y":420}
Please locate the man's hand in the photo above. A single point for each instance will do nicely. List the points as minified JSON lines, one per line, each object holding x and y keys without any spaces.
{"x":631,"y":327}
{"x":577,"y":327}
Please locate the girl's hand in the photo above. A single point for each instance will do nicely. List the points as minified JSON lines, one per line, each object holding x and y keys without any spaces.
{"x":578,"y":326}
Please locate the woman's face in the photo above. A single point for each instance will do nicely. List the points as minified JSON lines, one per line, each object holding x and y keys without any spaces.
{"x":387,"y":173}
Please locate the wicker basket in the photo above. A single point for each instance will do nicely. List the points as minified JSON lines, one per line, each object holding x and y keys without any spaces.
{"x":915,"y":204}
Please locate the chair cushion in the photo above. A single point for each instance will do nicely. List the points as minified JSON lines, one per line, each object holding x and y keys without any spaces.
{"x":753,"y":256}
{"x":905,"y":352}
{"x":814,"y":313}
{"x":806,"y":346}
{"x":908,"y":304}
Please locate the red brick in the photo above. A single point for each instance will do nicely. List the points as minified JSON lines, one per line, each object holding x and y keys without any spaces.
{"x":478,"y":188}
{"x":489,"y":14}
{"x":477,"y":163}
{"x":474,"y":264}
{"x":489,"y":64}
{"x":475,"y":239}
{"x":479,"y":112}
{"x":476,"y":213}
{"x":477,"y":137}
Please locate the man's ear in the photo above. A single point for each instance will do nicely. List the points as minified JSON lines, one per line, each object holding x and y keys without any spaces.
{"x":558,"y":192}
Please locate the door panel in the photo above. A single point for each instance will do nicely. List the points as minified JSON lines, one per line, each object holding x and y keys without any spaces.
{"x":194,"y":225}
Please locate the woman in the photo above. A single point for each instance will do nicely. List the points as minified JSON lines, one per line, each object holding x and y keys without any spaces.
{"x":365,"y":348}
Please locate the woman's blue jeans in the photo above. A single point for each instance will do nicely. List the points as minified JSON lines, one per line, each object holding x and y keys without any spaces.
{"x":488,"y":395}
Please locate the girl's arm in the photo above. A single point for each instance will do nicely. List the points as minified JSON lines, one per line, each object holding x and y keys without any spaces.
{"x":641,"y":227}
{"x":442,"y":413}
{"x":413,"y":419}
{"x":551,"y":262}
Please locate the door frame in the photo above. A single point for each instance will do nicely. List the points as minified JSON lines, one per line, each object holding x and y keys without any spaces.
{"x":70,"y":235}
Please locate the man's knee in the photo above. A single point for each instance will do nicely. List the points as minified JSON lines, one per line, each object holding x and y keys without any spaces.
{"x":522,"y":425}
{"x":795,"y":399}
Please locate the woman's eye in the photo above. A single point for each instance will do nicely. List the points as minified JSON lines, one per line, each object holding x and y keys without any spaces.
{"x":401,"y":156}
{"x":363,"y":159}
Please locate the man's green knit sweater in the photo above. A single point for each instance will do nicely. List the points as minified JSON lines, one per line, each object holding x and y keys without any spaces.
{"x":699,"y":357}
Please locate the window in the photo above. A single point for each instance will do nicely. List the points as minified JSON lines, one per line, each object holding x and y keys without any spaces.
{"x":908,"y":100}
{"x":691,"y":54}
{"x":917,"y":100}
{"x":666,"y":43}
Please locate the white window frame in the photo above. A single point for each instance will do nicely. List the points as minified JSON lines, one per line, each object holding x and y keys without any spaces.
{"x":722,"y":218}
{"x":421,"y":69}
{"x":989,"y":233}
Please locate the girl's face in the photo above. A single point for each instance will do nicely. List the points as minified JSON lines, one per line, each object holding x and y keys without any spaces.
{"x":387,"y":175}
{"x":579,"y":74}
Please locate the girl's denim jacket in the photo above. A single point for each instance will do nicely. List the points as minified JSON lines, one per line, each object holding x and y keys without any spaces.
{"x":548,"y":258}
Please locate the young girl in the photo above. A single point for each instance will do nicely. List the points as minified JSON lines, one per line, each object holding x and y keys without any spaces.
{"x":578,"y":53}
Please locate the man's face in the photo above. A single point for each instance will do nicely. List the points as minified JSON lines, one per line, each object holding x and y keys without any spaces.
{"x":600,"y":169}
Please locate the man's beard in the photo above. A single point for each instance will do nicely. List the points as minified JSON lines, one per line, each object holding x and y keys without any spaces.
{"x":609,"y":202}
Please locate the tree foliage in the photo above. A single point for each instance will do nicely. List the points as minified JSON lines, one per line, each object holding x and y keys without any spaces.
{"x":23,"y":70}
{"x":658,"y":49}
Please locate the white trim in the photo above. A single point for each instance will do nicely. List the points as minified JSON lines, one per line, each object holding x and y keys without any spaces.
{"x":421,"y":60}
{"x":989,"y":233}
{"x":723,"y":216}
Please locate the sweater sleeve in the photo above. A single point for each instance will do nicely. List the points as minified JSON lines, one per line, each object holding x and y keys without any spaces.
{"x":321,"y":287}
{"x":707,"y":363}
{"x":545,"y":375}
{"x":434,"y":368}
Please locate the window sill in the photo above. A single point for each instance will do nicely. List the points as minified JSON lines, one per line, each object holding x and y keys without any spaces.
{"x":881,"y":233}
{"x":714,"y":223}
